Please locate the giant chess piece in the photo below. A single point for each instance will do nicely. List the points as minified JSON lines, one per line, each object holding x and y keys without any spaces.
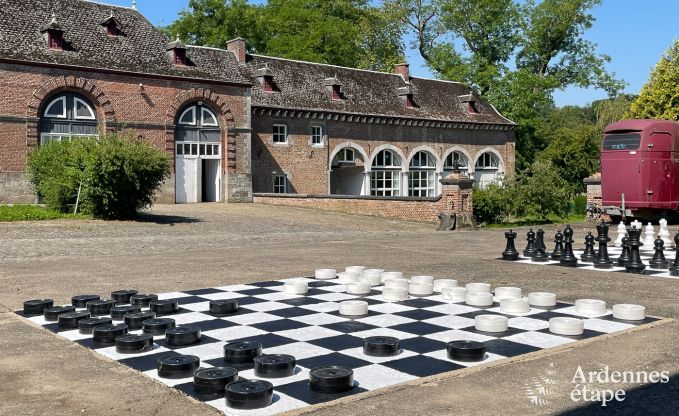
{"x":674,"y":268}
{"x":664,"y":233}
{"x":568,"y":257}
{"x":622,"y":230}
{"x":649,"y":236}
{"x":558,"y":247}
{"x":659,"y":261}
{"x":530,"y":247}
{"x":539,"y":254}
{"x":625,"y":255}
{"x":510,"y":252}
{"x":601,"y":261}
{"x":588,"y":254}
{"x":635,"y":265}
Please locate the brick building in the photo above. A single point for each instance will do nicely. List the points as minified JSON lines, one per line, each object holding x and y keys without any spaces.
{"x":234,"y":123}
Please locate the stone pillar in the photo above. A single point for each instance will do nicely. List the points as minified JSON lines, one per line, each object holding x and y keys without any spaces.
{"x":456,"y":198}
{"x":593,"y":184}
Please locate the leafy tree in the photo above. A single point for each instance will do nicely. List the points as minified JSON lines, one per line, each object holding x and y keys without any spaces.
{"x":341,"y":32}
{"x":541,"y":192}
{"x":659,"y":97}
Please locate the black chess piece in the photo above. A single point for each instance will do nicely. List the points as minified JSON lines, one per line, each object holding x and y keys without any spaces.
{"x":659,"y":261}
{"x":530,"y":247}
{"x":558,"y":247}
{"x":568,"y":257}
{"x":625,"y":255}
{"x":510,"y":252}
{"x":635,"y":265}
{"x":674,"y":268}
{"x":539,"y":255}
{"x":588,"y":254}
{"x":602,"y":261}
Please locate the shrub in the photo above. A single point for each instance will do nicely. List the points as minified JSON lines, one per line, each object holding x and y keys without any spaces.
{"x":116,"y":176}
{"x":579,"y":205}
{"x":541,"y":192}
{"x":491,"y":204}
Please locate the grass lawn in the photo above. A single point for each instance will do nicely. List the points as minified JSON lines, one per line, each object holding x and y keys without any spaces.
{"x":33,"y":213}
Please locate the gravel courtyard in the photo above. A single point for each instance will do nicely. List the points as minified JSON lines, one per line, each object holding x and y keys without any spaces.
{"x":177,"y":247}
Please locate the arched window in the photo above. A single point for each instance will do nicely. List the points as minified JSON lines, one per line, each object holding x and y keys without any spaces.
{"x":422,"y":175}
{"x":385,"y":174}
{"x":198,"y":132}
{"x":487,"y":169}
{"x":454,"y":157}
{"x":68,"y":115}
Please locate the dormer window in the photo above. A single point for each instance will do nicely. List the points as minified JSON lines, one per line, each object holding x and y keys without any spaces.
{"x":112,"y":25}
{"x":265,"y":77}
{"x":178,"y":52}
{"x":409,"y":101}
{"x":336,"y":92}
{"x":469,"y":103}
{"x":334,"y":88}
{"x":54,"y":34}
{"x":406,"y":94}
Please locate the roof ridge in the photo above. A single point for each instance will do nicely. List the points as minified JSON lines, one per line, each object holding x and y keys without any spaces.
{"x":207,"y":47}
{"x":323,"y":64}
{"x":111,"y":5}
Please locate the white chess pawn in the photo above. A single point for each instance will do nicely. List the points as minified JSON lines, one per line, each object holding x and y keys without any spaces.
{"x":649,"y":236}
{"x":621,"y":234}
{"x":665,"y":235}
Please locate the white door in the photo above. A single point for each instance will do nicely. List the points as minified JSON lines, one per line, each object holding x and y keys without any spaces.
{"x":484,"y":177}
{"x":187,"y":173}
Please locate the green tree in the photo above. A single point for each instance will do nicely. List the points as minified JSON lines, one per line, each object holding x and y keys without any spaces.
{"x":541,"y":192}
{"x":342,"y":32}
{"x":659,"y":97}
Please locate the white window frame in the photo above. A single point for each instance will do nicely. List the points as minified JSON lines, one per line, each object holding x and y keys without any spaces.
{"x":49,"y":137}
{"x":61,"y":99}
{"x":192,"y":109}
{"x":342,"y":155}
{"x":320,"y":135}
{"x":422,"y":173}
{"x":278,"y":186}
{"x":378,"y":183}
{"x":481,"y":162}
{"x":464,"y":162}
{"x":212,"y":115}
{"x":77,"y":100}
{"x":275,"y":134}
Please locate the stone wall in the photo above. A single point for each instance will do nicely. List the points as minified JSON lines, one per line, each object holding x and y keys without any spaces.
{"x":15,"y":188}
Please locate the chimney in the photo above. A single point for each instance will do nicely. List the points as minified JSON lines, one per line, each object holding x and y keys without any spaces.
{"x":403,"y":70}
{"x":237,"y":46}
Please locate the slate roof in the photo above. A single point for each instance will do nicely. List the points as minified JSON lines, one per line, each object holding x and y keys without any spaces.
{"x":142,"y":48}
{"x":302,"y":85}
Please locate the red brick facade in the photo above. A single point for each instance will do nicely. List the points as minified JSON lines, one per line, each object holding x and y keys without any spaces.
{"x":125,"y":104}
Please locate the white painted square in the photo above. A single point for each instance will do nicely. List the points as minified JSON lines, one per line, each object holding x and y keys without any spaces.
{"x":190,"y":317}
{"x":389,"y":307}
{"x":322,"y":307}
{"x":281,"y":403}
{"x":334,"y":297}
{"x":173,"y":295}
{"x":451,"y":309}
{"x":458,"y":335}
{"x":318,"y":319}
{"x":385,"y":332}
{"x":236,"y":288}
{"x":601,"y":325}
{"x":385,"y":320}
{"x":252,"y":318}
{"x":223,"y":295}
{"x":301,"y":373}
{"x":333,"y":289}
{"x":205,"y":351}
{"x":110,"y":352}
{"x":198,"y":306}
{"x":308,"y":333}
{"x":376,"y":376}
{"x":233,"y":332}
{"x":277,"y":296}
{"x":451,"y":321}
{"x":529,"y":324}
{"x":299,"y":350}
{"x":266,"y":306}
{"x":539,"y":339}
{"x":75,"y":335}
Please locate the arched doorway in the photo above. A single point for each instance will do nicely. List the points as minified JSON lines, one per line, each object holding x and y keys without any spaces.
{"x":68,"y":115}
{"x":456,"y":158}
{"x":347,"y":172}
{"x":197,"y":155}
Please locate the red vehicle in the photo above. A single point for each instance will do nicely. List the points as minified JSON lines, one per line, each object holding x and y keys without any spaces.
{"x":640,"y":169}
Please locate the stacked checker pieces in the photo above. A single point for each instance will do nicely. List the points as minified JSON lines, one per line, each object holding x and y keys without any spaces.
{"x":328,"y":381}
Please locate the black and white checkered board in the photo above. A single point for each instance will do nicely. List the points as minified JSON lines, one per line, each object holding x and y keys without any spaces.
{"x":613,"y":253}
{"x":311,"y":329}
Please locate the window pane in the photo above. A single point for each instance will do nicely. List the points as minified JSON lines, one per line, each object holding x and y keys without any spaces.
{"x":57,"y":108}
{"x":208,"y":118}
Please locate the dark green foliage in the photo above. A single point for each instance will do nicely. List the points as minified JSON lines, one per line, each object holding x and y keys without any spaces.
{"x":491,"y":204}
{"x":579,"y":205}
{"x":116,"y":177}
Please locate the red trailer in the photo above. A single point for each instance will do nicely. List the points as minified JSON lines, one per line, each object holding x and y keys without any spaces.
{"x":640,"y":169}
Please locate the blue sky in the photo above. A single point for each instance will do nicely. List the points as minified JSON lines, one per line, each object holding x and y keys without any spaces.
{"x":633,"y":33}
